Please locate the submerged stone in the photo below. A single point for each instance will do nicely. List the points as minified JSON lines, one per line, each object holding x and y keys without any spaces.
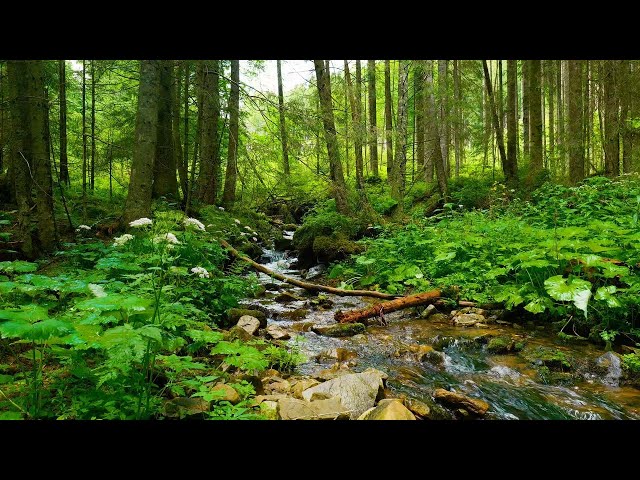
{"x":339,"y":329}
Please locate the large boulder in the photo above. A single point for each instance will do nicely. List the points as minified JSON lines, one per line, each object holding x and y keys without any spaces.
{"x":339,"y":329}
{"x":286,"y":297}
{"x":234,"y":315}
{"x":327,"y":409}
{"x":224,"y":392}
{"x":610,"y":366}
{"x":184,"y":407}
{"x":388,"y":409}
{"x":357,"y":391}
{"x":504,"y":345}
{"x":249,"y":324}
{"x":277,"y":333}
{"x":467,"y":319}
{"x":457,"y":400}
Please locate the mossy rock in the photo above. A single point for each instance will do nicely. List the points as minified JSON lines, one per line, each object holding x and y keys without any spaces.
{"x":339,"y":329}
{"x":234,"y":314}
{"x":504,"y":345}
{"x":334,"y":247}
{"x":554,"y":360}
{"x":295,"y":315}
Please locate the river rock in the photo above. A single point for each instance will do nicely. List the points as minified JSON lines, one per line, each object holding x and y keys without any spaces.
{"x":457,"y":400}
{"x":334,"y":371}
{"x":286,"y":297}
{"x":283,"y":243}
{"x":388,"y":409}
{"x":249,"y":324}
{"x":427,"y":312}
{"x":326,"y":409}
{"x":272,"y":286}
{"x":294,"y":315}
{"x":302,"y":327}
{"x":269,"y":409}
{"x":315,"y":272}
{"x":417,"y":407}
{"x":181,"y":407}
{"x":234,"y":315}
{"x":339,"y":329}
{"x":238,"y":333}
{"x":504,"y":345}
{"x":339,"y":354}
{"x":467,"y":319}
{"x":277,"y":333}
{"x":439,"y":318}
{"x":225,"y":392}
{"x":357,"y":391}
{"x":611,"y":364}
{"x":301,"y":385}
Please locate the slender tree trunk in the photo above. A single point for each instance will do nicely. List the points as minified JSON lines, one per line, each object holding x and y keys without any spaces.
{"x":510,"y":168}
{"x":229,"y":195}
{"x":457,"y":97}
{"x":339,"y":188}
{"x":588,"y":116}
{"x":400,"y":161}
{"x":525,"y":109}
{"x":419,"y":102}
{"x":443,"y":99}
{"x":625,"y":103}
{"x":165,"y":182}
{"x":549,"y":74}
{"x":506,"y":167}
{"x":611,"y":119}
{"x":575,"y":121}
{"x":64,"y":162}
{"x":357,"y":125}
{"x":84,"y":141}
{"x":283,"y":128}
{"x":486,"y":128}
{"x":535,"y":117}
{"x":209,"y":154}
{"x":138,"y":202}
{"x":176,"y":94}
{"x":388,"y":118}
{"x":373,"y":128}
{"x":93,"y":125}
{"x":433,"y":149}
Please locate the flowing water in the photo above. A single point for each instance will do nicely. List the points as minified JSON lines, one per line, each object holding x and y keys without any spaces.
{"x":509,"y":383}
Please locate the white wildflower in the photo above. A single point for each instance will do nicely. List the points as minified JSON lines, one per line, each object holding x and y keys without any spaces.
{"x":221,"y":208}
{"x":83,"y":227}
{"x":195,"y":222}
{"x":237,"y":221}
{"x":244,"y":234}
{"x":247,"y":228}
{"x":141,"y":222}
{"x":201,"y":272}
{"x":97,"y":290}
{"x":255,"y":233}
{"x":167,"y":237}
{"x":210,"y":225}
{"x":119,"y":241}
{"x":461,"y":206}
{"x":254,"y":239}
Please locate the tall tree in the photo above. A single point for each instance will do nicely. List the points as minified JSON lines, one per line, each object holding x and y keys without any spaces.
{"x":373,"y":128}
{"x":535,"y":112}
{"x":525,"y":109}
{"x":229,"y":195}
{"x":507,"y":168}
{"x":388,"y":117}
{"x":283,"y":127}
{"x":626,"y":98}
{"x":138,"y":202}
{"x":84,"y":140}
{"x":510,"y":167}
{"x":354,"y":101}
{"x":575,"y":141}
{"x":433,"y":150}
{"x":611,"y":140}
{"x":93,"y":126}
{"x":209,"y":155}
{"x":338,"y":186}
{"x":550,"y":81}
{"x":418,"y":98}
{"x":64,"y":162}
{"x":180,"y":161}
{"x":443,"y":99}
{"x":457,"y":125}
{"x":400,"y":161}
{"x":165,"y":182}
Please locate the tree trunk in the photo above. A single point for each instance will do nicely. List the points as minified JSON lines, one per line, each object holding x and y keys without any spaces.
{"x":457,"y":132}
{"x":388,"y":118}
{"x":611,"y":119}
{"x":138,"y":202}
{"x":560,"y":130}
{"x":574,"y":138}
{"x":373,"y":120}
{"x":209,"y":154}
{"x":380,"y":309}
{"x":535,"y":119}
{"x":93,"y":125}
{"x":510,"y":167}
{"x":525,"y":109}
{"x":443,"y":101}
{"x":625,"y":103}
{"x":165,"y":182}
{"x":433,"y":150}
{"x":419,"y":104}
{"x":84,"y":141}
{"x":400,"y":161}
{"x":354,"y":101}
{"x":180,"y":161}
{"x":229,"y":195}
{"x":549,"y":74}
{"x":64,"y":162}
{"x":506,"y":167}
{"x":339,"y":188}
{"x":283,"y":128}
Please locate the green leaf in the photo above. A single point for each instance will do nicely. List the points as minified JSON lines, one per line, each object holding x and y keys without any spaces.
{"x":10,"y":416}
{"x":18,"y":266}
{"x":606,"y":294}
{"x":570,"y":289}
{"x":25,"y":313}
{"x":204,"y":336}
{"x":445,"y":256}
{"x":536,"y":306}
{"x":151,"y":332}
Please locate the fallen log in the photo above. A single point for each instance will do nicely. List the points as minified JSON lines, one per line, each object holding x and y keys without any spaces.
{"x":380,"y":309}
{"x":312,"y":287}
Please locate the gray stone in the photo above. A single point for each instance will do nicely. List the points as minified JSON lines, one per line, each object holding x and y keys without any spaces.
{"x":613,"y":370}
{"x":277,"y":333}
{"x":467,"y":319}
{"x":326,"y":409}
{"x":388,"y":409}
{"x":249,"y":324}
{"x":339,"y":329}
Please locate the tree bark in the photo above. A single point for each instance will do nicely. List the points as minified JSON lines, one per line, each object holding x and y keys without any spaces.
{"x":506,"y":167}
{"x":64,"y":162}
{"x":549,"y":74}
{"x":388,"y":118}
{"x":209,"y":154}
{"x":229,"y":195}
{"x":433,"y":150}
{"x":84,"y":140}
{"x":575,"y":121}
{"x":373,"y":120}
{"x":625,"y":104}
{"x":176,"y":93}
{"x":419,"y":104}
{"x":510,"y":167}
{"x":283,"y":128}
{"x":338,"y":186}
{"x":380,"y":309}
{"x":165,"y":182}
{"x":138,"y":202}
{"x":457,"y":126}
{"x":611,"y":138}
{"x":400,"y":161}
{"x":93,"y":126}
{"x":443,"y":102}
{"x":535,"y":112}
{"x":357,"y":125}
{"x":525,"y":109}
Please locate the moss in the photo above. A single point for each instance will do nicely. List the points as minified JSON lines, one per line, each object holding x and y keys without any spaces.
{"x":554,"y":360}
{"x":295,"y":315}
{"x":334,"y":247}
{"x":340,"y":329}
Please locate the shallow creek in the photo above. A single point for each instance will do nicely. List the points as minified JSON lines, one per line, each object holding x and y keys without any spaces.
{"x":509,"y":383}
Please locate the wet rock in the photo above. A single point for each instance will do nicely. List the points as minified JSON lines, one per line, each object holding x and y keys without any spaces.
{"x":183,"y":407}
{"x":611,"y":365}
{"x":275,"y":387}
{"x":249,"y":324}
{"x":277,"y":333}
{"x":457,"y":400}
{"x":551,"y":358}
{"x":427,"y":312}
{"x":269,"y":409}
{"x":276,"y":397}
{"x":357,"y":391}
{"x":283,"y":243}
{"x":321,"y":302}
{"x":441,"y":342}
{"x":339,"y":329}
{"x":388,"y":409}
{"x":272,"y":286}
{"x":339,"y":354}
{"x":234,"y":314}
{"x":334,"y":371}
{"x":315,"y":272}
{"x":294,"y":315}
{"x":467,"y":319}
{"x":302,"y":327}
{"x":504,"y":345}
{"x":417,"y":407}
{"x":286,"y":297}
{"x":439,"y":318}
{"x":225,"y":392}
{"x":238,"y":333}
{"x":301,"y":385}
{"x":325,"y":409}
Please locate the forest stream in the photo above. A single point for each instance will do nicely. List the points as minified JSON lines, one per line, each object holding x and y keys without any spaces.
{"x":510,"y":383}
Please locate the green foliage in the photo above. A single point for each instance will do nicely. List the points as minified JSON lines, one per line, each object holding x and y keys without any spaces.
{"x":631,"y":362}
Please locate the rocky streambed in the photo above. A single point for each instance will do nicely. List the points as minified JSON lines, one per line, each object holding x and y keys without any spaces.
{"x":431,"y":364}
